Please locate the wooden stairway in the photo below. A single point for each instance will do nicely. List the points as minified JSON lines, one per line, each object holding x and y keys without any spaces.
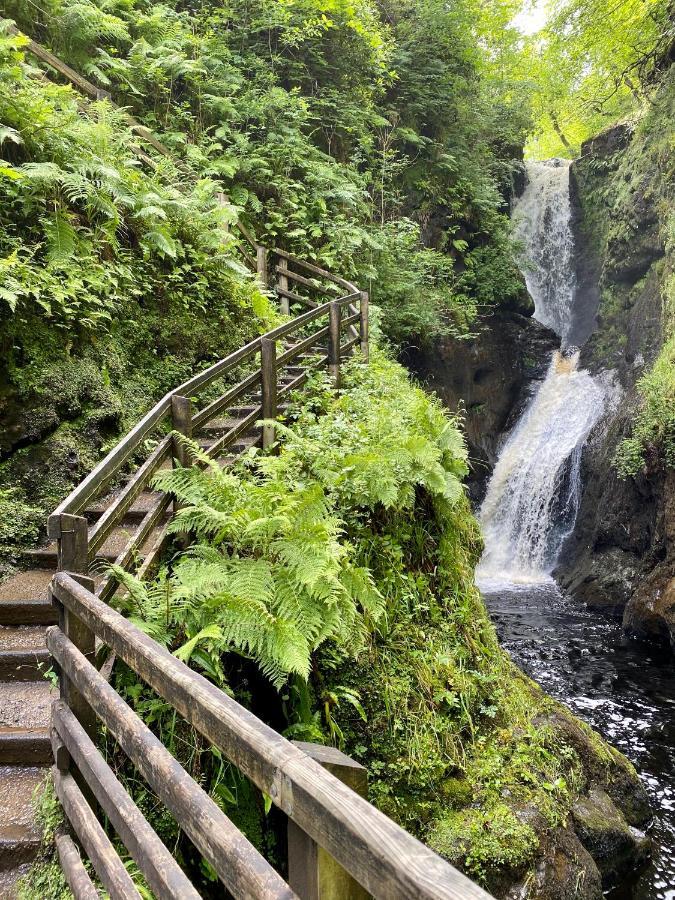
{"x":26,"y":694}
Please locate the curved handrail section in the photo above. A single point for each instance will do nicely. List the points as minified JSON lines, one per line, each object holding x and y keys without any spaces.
{"x":112,"y":463}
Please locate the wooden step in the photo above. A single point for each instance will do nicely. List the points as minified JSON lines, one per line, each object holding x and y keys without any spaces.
{"x":134,"y":514}
{"x":20,"y":835}
{"x":29,"y":585}
{"x":108,"y":552}
{"x":28,"y":612}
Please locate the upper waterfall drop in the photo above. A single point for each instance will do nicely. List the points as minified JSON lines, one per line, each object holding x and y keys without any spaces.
{"x":542,"y":218}
{"x":533,"y":496}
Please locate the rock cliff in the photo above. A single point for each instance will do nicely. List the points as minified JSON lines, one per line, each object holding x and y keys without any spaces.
{"x":621,"y":556}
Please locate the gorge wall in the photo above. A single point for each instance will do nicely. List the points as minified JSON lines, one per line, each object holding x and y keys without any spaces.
{"x":621,"y":556}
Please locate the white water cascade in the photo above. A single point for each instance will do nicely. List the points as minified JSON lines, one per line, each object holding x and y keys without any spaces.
{"x":542,"y":223}
{"x":533,"y":496}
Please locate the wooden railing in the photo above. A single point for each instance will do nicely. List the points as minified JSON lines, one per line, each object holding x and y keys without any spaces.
{"x":380,"y":856}
{"x":339,"y":845}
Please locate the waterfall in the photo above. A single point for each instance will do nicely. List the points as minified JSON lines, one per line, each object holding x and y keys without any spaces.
{"x":533,"y":496}
{"x":542,"y":223}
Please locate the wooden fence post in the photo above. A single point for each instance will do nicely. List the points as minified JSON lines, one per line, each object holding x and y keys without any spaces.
{"x":312,"y":873}
{"x":334,"y":324}
{"x":261,"y":264}
{"x":73,"y":557}
{"x":268,"y":371}
{"x":363,"y":326}
{"x":284,"y":304}
{"x":181,"y":415}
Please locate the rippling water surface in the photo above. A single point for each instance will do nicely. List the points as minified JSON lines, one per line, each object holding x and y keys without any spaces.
{"x":628,"y":695}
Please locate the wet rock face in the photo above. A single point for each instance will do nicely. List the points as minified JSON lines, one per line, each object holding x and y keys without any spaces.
{"x":650,"y":612}
{"x":616,"y":846}
{"x":488,"y":378}
{"x":621,"y":556}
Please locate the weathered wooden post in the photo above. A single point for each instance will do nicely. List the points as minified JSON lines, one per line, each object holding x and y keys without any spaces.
{"x":312,"y":873}
{"x":73,"y":557}
{"x":268,"y":372}
{"x":334,"y":326}
{"x":363,"y":325}
{"x":261,"y":264}
{"x":181,"y":416}
{"x":282,"y":283}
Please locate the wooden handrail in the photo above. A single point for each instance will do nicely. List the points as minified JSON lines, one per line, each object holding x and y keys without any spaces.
{"x":239,"y":865}
{"x":382,"y":857}
{"x":111,"y":464}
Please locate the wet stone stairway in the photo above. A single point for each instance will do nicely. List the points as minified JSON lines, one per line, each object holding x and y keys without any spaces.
{"x":26,"y":693}
{"x":25,"y":698}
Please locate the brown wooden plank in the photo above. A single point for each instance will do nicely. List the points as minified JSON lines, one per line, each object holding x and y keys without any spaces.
{"x":149,"y":521}
{"x":334,"y":342}
{"x":123,"y":501}
{"x":346,"y":347}
{"x":109,"y":867}
{"x":363,"y":327}
{"x":307,"y":282}
{"x":297,"y":323}
{"x":227,"y":399}
{"x":382,"y":857}
{"x":73,"y":868}
{"x":312,"y":873}
{"x":230,"y":436}
{"x":110,"y":465}
{"x":163,"y":874}
{"x":268,"y":371}
{"x":317,"y":270}
{"x":285,"y":357}
{"x":296,"y":298}
{"x":238,"y":864}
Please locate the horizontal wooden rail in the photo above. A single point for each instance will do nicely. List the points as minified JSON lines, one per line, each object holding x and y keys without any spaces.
{"x":73,"y":868}
{"x":126,"y":497}
{"x":164,"y":876}
{"x":109,"y":867}
{"x":349,"y":286}
{"x":238,"y":864}
{"x":227,"y":399}
{"x":313,"y":285}
{"x":382,"y":857}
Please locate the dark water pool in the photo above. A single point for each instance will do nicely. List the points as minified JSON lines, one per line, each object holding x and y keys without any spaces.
{"x":618,"y":687}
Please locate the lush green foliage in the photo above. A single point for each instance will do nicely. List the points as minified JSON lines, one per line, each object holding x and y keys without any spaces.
{"x":342,"y":569}
{"x":617,"y":191}
{"x":592,"y":64}
{"x":271,"y":574}
{"x":45,"y":878}
{"x":114,"y":285}
{"x":342,"y":131}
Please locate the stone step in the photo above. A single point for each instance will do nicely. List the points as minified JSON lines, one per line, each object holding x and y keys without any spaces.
{"x":19,"y":834}
{"x":25,"y":747}
{"x":25,"y":705}
{"x":23,"y":599}
{"x":23,"y":653}
{"x":9,"y":888}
